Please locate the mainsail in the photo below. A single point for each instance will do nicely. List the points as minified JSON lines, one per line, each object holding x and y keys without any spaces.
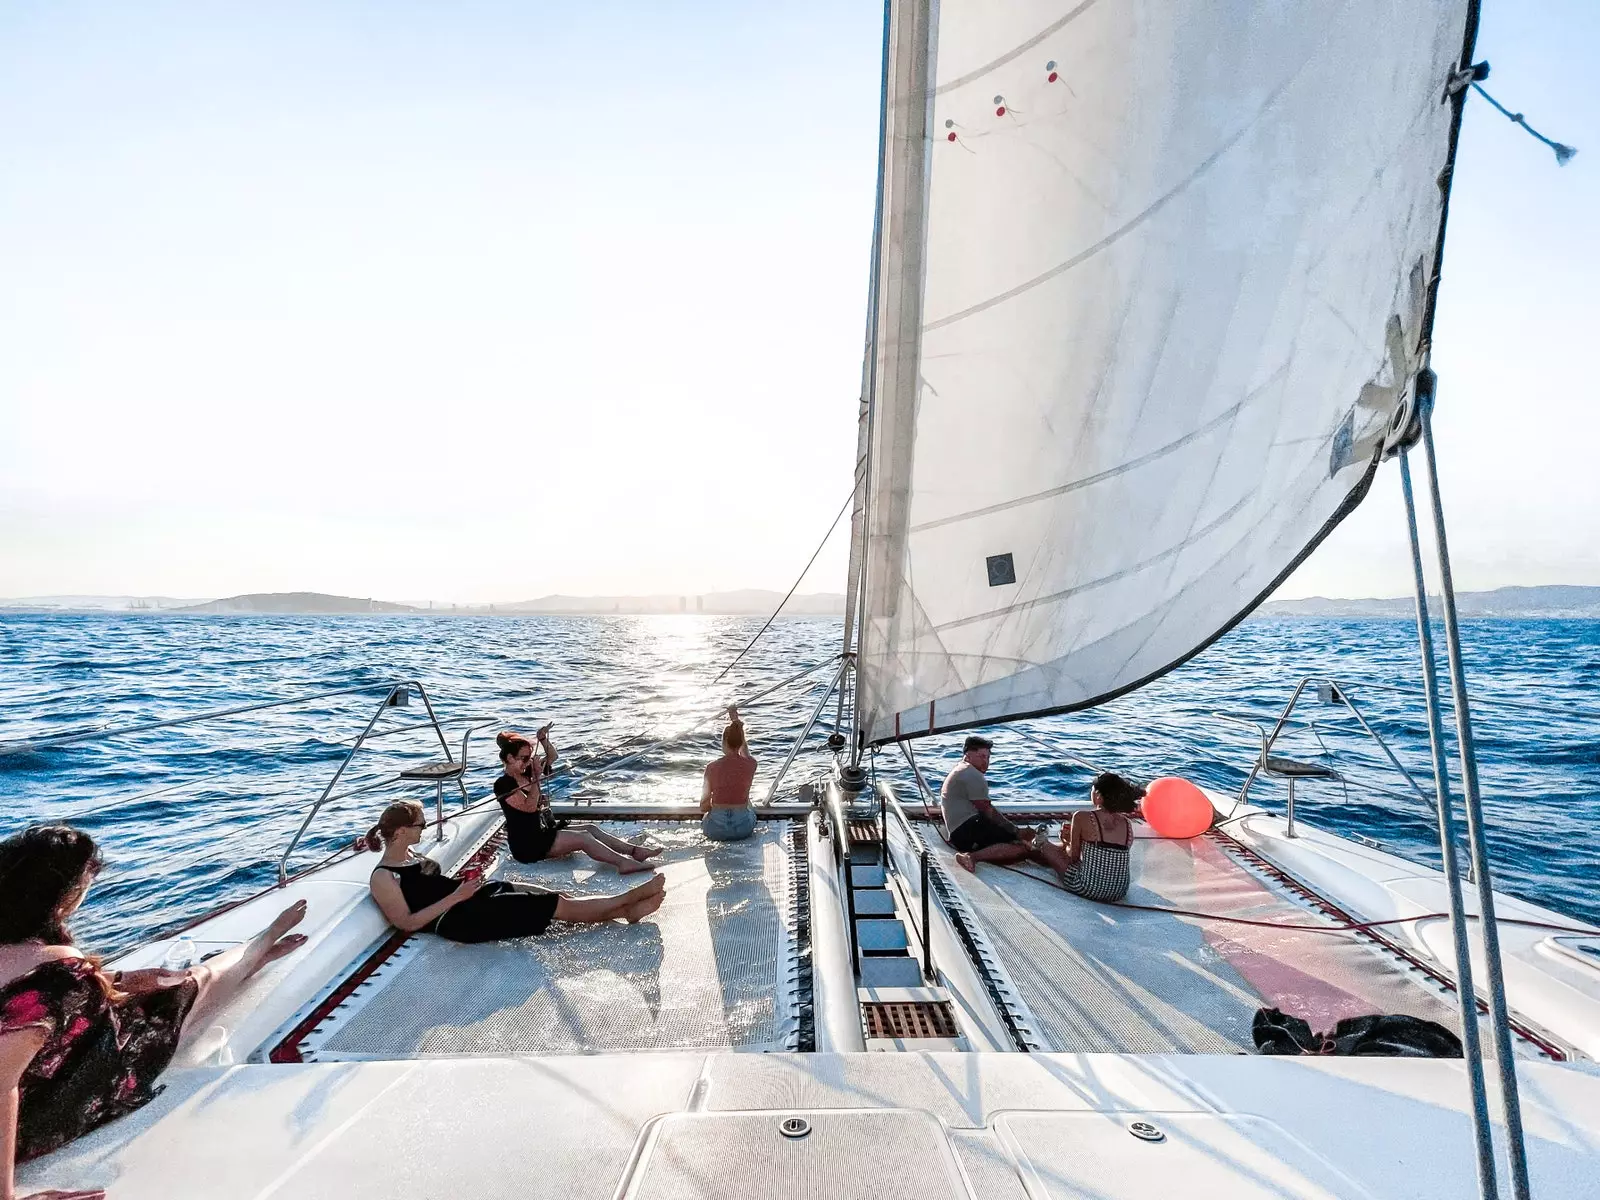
{"x":1153,"y":281}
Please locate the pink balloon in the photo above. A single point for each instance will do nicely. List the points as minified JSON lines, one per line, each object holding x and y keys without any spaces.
{"x":1175,"y":808}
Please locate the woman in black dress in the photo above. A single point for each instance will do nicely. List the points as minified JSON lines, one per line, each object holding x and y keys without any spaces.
{"x":532,"y":833}
{"x":80,"y":1046}
{"x":416,"y":897}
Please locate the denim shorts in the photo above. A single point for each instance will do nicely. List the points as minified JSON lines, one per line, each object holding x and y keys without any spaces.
{"x":728,"y":824}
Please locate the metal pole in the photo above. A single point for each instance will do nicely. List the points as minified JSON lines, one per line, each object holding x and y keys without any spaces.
{"x":794,"y":750}
{"x":1477,"y":848}
{"x":283,"y":863}
{"x":1289,"y":830}
{"x":927,"y":944}
{"x":1488,"y":1188}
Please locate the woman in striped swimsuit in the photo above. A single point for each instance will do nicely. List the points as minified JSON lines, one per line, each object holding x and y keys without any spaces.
{"x":1096,"y":841}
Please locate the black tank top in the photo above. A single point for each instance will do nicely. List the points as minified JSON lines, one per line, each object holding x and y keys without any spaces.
{"x":521,"y":826}
{"x":420,"y":885}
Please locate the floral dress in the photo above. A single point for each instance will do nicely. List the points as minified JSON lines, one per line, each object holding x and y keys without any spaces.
{"x":100,"y":1058}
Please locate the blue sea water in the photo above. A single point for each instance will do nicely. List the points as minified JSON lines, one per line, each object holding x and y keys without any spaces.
{"x":193,"y":816}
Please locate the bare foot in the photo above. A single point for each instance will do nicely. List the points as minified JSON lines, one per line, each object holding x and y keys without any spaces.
{"x":645,"y":907}
{"x":964,"y":861}
{"x":651,"y":887}
{"x":632,"y":868}
{"x":283,"y":946}
{"x":645,"y":853}
{"x":285,"y":921}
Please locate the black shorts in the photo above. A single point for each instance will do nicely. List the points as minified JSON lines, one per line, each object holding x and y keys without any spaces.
{"x":531,"y":846}
{"x":500,"y":910}
{"x":978,"y":833}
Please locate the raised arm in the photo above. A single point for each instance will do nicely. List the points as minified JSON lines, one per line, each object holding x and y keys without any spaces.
{"x":547,"y":746}
{"x":386,"y":891}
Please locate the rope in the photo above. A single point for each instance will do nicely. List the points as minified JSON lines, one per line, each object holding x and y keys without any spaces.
{"x":1351,"y":927}
{"x":1563,"y":153}
{"x":791,"y":591}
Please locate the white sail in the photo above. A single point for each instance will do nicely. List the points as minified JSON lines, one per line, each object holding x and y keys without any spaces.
{"x":1154,"y":280}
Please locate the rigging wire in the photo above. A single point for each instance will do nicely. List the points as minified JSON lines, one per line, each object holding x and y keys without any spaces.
{"x":1564,"y":153}
{"x":842,"y":509}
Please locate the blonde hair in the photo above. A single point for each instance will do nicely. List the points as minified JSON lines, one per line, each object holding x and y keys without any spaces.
{"x":396,"y":817}
{"x":733,"y":737}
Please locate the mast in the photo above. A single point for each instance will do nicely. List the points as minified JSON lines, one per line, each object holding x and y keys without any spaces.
{"x":904,"y":107}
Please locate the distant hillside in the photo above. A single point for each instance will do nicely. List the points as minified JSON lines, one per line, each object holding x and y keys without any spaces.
{"x":101,"y":603}
{"x":749,"y":602}
{"x":310,"y":603}
{"x":1554,"y":600}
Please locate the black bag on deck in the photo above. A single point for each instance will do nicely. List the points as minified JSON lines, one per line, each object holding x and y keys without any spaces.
{"x":1388,"y":1034}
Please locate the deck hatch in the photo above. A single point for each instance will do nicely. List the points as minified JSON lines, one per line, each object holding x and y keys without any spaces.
{"x":909,"y":1019}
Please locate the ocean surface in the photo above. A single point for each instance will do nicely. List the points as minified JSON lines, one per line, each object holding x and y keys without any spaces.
{"x":199,"y":814}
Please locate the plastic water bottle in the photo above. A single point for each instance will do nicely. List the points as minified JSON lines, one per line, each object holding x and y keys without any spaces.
{"x":180,"y":954}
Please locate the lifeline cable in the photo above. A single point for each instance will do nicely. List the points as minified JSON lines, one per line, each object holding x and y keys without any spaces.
{"x":1351,"y":927}
{"x":791,"y":591}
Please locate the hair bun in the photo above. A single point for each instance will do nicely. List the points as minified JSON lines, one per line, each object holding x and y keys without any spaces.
{"x":505,"y":738}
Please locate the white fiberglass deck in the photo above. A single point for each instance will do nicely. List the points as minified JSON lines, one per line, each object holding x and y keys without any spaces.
{"x":1100,"y":978}
{"x":715,"y":967}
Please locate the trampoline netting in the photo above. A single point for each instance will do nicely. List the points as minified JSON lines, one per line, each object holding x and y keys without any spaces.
{"x":715,"y":966}
{"x":1100,"y":978}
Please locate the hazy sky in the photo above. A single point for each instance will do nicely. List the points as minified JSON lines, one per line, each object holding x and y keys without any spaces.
{"x":482,"y":301}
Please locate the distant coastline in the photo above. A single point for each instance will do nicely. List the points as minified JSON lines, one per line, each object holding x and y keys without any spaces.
{"x":748,"y":602}
{"x":1551,"y":601}
{"x":1554,"y":601}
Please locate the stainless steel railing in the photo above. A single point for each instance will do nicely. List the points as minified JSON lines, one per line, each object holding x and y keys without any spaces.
{"x":1330,"y":691}
{"x":395,"y":694}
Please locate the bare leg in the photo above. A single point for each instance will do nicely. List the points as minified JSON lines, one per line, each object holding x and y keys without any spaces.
{"x":222,"y":977}
{"x":1005,"y":854}
{"x":593,"y":909}
{"x":620,"y":845}
{"x":569,"y":841}
{"x":1049,"y":854}
{"x":645,"y":907}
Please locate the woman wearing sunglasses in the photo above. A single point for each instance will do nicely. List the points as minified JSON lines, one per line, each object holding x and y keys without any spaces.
{"x":415,"y":897}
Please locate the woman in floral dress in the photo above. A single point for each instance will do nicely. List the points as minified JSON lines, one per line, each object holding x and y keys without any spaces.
{"x":80,"y":1046}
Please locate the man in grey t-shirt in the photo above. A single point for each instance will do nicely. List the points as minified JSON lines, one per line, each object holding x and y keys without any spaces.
{"x":978,"y":831}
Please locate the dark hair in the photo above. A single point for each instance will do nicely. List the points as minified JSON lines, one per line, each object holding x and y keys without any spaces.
{"x":974,"y":742}
{"x":1117,"y":794}
{"x":511,"y":744}
{"x":733,"y":737}
{"x":397,"y":816}
{"x":39,"y":868}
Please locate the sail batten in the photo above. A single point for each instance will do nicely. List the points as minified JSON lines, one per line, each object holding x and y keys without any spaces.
{"x":1154,"y":283}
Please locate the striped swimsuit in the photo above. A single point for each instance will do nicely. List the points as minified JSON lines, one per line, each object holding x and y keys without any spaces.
{"x":1101,"y":872}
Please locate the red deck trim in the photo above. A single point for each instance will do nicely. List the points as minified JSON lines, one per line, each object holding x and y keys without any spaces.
{"x":288,"y":1050}
{"x":1331,"y":909}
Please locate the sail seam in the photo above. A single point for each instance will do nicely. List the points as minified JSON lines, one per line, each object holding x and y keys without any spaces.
{"x":1016,"y":51}
{"x":1116,"y":235}
{"x":1205,"y":531}
{"x":1132,"y":464}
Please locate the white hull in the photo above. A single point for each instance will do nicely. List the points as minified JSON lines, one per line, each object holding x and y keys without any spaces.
{"x":981,"y":1120}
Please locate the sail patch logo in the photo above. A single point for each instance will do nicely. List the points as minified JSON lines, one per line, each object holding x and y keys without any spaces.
{"x":1001,"y":570}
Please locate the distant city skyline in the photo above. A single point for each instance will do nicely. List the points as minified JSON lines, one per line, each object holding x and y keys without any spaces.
{"x":496,"y":302}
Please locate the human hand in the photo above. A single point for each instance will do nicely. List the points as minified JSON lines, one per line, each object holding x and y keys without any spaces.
{"x":148,"y":979}
{"x":733,"y":712}
{"x":1026,"y":834}
{"x":467,"y":890}
{"x":543,"y":732}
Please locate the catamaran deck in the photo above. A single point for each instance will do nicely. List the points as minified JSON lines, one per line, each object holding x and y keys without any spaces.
{"x":718,"y":966}
{"x":1097,"y":978}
